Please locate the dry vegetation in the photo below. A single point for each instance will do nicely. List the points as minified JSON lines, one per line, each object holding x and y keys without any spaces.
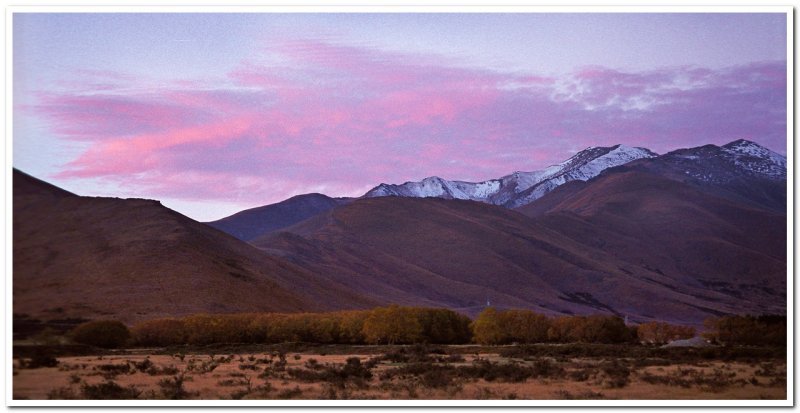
{"x":579,"y":371}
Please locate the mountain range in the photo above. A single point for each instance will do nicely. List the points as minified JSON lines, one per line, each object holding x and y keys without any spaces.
{"x":678,"y":237}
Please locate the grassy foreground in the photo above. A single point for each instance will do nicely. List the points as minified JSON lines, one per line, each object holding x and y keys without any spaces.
{"x":303,"y":371}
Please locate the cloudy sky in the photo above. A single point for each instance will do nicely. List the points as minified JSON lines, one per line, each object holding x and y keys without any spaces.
{"x":214,"y":113}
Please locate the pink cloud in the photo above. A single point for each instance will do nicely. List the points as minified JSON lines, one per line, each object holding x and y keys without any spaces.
{"x":342,"y":118}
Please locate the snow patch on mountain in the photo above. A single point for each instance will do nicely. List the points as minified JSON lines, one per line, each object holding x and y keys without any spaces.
{"x":519,"y":188}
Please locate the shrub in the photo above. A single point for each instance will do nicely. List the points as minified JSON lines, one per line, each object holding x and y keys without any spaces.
{"x":353,"y":371}
{"x":617,"y":374}
{"x":61,"y":393}
{"x":112,"y":370}
{"x":109,"y":390}
{"x":48,"y":337}
{"x":37,"y":361}
{"x":101,"y":333}
{"x":505,"y":372}
{"x":143,"y":365}
{"x":172,"y":389}
{"x":290,"y":393}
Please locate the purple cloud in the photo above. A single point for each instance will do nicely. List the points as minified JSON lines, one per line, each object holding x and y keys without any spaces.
{"x":339,"y":119}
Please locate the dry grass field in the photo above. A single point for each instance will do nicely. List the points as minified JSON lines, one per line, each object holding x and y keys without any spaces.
{"x":414,"y":372}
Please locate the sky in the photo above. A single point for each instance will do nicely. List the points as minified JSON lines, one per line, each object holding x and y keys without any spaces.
{"x":214,"y":113}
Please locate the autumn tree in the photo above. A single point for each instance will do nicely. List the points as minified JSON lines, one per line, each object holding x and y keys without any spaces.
{"x":523,"y":326}
{"x":589,"y":329}
{"x":765,"y":330}
{"x":443,"y":326}
{"x":159,"y":332}
{"x":605,"y":329}
{"x":351,"y":326}
{"x":101,"y":333}
{"x":392,"y":325}
{"x":217,"y":328}
{"x":658,"y":333}
{"x":566,"y":329}
{"x":486,"y":328}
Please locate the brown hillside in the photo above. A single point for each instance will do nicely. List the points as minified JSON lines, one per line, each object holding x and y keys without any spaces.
{"x":132,"y":259}
{"x":459,"y":253}
{"x":670,"y":228}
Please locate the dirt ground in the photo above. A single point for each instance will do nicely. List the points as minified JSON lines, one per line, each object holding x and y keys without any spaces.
{"x":291,"y":376}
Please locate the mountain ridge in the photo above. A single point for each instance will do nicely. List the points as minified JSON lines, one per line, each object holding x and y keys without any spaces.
{"x":251,"y":223}
{"x":521,"y":188}
{"x":518,"y":188}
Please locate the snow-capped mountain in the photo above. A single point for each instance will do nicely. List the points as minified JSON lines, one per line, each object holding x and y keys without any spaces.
{"x":519,"y":188}
{"x":756,"y":159}
{"x":713,"y":164}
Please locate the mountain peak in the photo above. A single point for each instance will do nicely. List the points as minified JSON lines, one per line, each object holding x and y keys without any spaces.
{"x":741,"y":143}
{"x":745,"y":147}
{"x":432,"y":179}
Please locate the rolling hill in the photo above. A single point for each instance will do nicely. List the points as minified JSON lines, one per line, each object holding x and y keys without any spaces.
{"x":458,"y":254}
{"x":133,"y":259}
{"x":251,"y":223}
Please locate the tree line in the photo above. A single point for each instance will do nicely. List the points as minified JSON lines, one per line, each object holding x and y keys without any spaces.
{"x":762,"y":330}
{"x":384,"y":325}
{"x":524,"y":326}
{"x":409,"y":325}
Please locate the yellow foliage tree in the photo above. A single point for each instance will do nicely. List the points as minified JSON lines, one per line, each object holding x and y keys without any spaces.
{"x":392,"y":325}
{"x":486,"y":328}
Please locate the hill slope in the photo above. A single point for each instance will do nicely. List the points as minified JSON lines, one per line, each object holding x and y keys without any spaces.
{"x":741,"y":171}
{"x":133,"y":259}
{"x":459,"y":253}
{"x":251,"y":223}
{"x":673,"y":229}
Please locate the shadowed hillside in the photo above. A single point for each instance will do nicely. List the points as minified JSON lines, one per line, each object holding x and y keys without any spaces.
{"x":459,"y":253}
{"x":134,"y":259}
{"x":673,"y":229}
{"x":252,"y":223}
